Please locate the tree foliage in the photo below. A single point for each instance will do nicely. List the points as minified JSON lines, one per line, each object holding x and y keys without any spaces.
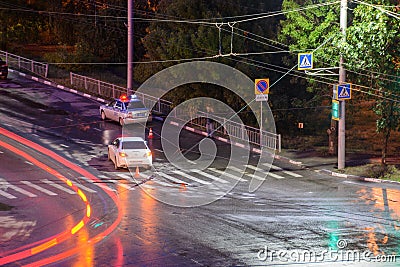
{"x":176,"y":40}
{"x":371,"y":44}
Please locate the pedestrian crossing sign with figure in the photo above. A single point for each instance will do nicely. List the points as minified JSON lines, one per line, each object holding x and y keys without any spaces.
{"x":305,"y":61}
{"x":343,"y":91}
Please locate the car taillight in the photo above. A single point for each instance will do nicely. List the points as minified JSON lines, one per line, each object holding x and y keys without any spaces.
{"x":148,"y":154}
{"x":122,"y":154}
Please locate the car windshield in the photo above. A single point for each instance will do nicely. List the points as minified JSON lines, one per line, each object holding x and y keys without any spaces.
{"x":135,"y":105}
{"x":133,"y":145}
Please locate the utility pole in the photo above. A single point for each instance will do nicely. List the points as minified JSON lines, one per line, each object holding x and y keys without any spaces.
{"x":130,"y":49}
{"x":342,"y":80}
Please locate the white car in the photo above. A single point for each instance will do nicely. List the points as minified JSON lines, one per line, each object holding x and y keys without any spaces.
{"x":126,"y":110}
{"x":127,"y":152}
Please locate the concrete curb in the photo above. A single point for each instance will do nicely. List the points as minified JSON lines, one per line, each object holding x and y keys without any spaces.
{"x":360,"y":178}
{"x":255,"y":150}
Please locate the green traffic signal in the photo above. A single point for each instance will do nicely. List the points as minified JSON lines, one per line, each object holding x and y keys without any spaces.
{"x":335,"y":110}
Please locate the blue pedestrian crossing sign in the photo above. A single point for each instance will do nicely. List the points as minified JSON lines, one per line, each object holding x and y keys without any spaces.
{"x":305,"y":61}
{"x":343,"y":91}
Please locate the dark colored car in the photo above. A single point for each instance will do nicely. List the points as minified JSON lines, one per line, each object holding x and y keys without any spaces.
{"x":3,"y":69}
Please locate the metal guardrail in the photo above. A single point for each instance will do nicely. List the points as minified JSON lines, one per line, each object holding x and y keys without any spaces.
{"x":17,"y":62}
{"x":223,"y":126}
{"x":235,"y":130}
{"x":109,"y":90}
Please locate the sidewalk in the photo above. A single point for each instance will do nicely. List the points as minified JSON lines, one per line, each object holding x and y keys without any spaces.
{"x":328,"y":164}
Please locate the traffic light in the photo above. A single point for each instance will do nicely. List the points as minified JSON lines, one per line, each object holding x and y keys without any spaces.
{"x":335,"y":110}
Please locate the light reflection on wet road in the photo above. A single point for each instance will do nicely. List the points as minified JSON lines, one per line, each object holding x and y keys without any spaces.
{"x":311,"y":212}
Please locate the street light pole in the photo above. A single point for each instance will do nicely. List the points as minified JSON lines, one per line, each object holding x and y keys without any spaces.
{"x":342,"y":80}
{"x":130,"y":48}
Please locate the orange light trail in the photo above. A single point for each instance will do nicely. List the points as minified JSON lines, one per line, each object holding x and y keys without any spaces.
{"x":57,"y":239}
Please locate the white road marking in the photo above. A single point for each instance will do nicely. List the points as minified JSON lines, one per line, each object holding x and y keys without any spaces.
{"x":261,"y":170}
{"x":6,"y":185}
{"x":126,"y":177}
{"x":156,"y":181}
{"x":227,"y":174}
{"x":209,"y":176}
{"x":248,"y":174}
{"x":186,"y":175}
{"x":169,"y":177}
{"x":87,"y":189}
{"x":7,"y":195}
{"x":39,"y":188}
{"x":99,"y":184}
{"x":62,"y":188}
{"x":280,"y":169}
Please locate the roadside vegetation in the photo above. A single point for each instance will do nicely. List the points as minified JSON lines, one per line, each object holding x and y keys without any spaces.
{"x":89,"y":37}
{"x":386,"y":172}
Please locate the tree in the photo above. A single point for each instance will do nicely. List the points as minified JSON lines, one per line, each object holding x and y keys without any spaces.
{"x":372,"y":44}
{"x":176,"y":40}
{"x":311,"y":25}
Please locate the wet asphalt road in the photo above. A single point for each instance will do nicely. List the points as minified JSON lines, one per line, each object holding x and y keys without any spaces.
{"x":297,"y":217}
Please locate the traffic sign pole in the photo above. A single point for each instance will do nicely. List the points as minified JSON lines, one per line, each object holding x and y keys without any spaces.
{"x":342,"y":80}
{"x":261,"y":91}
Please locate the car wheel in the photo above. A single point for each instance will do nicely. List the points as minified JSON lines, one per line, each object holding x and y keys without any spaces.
{"x":116,"y":164}
{"x":103,"y":115}
{"x":121,"y":121}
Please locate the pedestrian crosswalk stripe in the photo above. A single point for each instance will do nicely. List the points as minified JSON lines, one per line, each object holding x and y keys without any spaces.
{"x":255,"y":168}
{"x":261,"y":170}
{"x":99,"y":184}
{"x":293,"y":174}
{"x":224,"y":173}
{"x":280,"y":169}
{"x":20,"y":190}
{"x":169,"y":177}
{"x":272,"y":166}
{"x":129,"y":187}
{"x":125,"y":176}
{"x":87,"y":189}
{"x":186,"y":175}
{"x":275,"y":175}
{"x":7,"y":195}
{"x":248,"y":174}
{"x":62,"y":188}
{"x":39,"y":188}
{"x":209,"y":176}
{"x":155,"y":181}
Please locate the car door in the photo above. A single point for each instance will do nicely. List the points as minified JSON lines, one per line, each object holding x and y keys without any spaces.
{"x":117,"y":110}
{"x":113,"y":149}
{"x":108,"y":110}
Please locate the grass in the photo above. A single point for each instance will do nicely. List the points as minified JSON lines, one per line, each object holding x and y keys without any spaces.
{"x":388,"y":172}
